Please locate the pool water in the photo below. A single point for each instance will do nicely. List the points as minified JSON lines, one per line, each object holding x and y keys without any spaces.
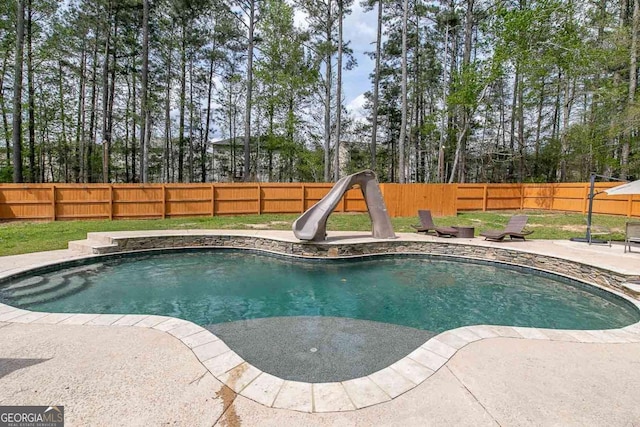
{"x":208,"y":287}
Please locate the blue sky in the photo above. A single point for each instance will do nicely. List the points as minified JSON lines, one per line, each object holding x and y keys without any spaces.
{"x":360,"y":29}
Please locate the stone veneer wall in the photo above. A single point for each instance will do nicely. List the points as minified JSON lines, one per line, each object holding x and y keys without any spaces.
{"x":582,"y":272}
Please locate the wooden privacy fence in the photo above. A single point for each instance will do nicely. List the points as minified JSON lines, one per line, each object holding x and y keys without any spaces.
{"x":119,"y":201}
{"x":570,"y":197}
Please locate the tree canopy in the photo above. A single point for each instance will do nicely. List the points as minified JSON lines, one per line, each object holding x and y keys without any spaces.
{"x":231,"y":90}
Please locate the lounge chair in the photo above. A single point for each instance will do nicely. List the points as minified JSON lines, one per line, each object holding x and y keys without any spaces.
{"x":426,"y":225}
{"x":632,"y":235}
{"x":514,"y":229}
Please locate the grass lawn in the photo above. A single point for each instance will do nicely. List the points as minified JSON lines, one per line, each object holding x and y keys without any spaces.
{"x":23,"y":237}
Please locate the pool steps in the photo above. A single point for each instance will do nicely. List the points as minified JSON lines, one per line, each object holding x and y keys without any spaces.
{"x":43,"y":286}
{"x":69,"y":286}
{"x":30,"y":282}
{"x":46,"y":290}
{"x":90,"y":246}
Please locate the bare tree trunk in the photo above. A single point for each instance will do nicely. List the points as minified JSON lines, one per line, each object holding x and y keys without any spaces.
{"x":624,"y":13}
{"x":512,"y":127}
{"x":78,"y":147}
{"x":247,"y":112}
{"x":233,"y":133}
{"x":336,"y":154}
{"x":128,"y":113}
{"x":376,"y":86}
{"x":167,"y":120}
{"x":416,"y":113}
{"x":133,"y":129}
{"x":555,"y":125}
{"x":633,"y":83}
{"x":144,"y":114}
{"x":17,"y":94}
{"x":106,"y":137}
{"x":327,"y":97}
{"x":501,"y":142}
{"x":31,"y":95}
{"x":148,"y":130}
{"x":403,"y":125}
{"x":270,"y":113}
{"x":183,"y":89}
{"x":469,"y":25}
{"x":92,"y":117}
{"x":43,"y":147}
{"x":112,"y":90}
{"x":63,"y":121}
{"x":564,"y":140}
{"x":521,"y":141}
{"x":232,"y":136}
{"x":536,"y":159}
{"x":456,"y":157}
{"x":443,"y":130}
{"x":203,"y":148}
{"x":3,"y":107}
{"x":290,"y":133}
{"x":208,"y":117}
{"x":190,"y":157}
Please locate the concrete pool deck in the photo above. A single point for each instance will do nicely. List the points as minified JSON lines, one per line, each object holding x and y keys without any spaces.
{"x":148,"y":375}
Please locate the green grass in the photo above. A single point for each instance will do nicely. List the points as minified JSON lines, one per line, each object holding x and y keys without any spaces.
{"x":24,"y":237}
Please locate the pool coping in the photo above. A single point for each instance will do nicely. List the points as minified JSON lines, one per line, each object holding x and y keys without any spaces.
{"x":249,"y":381}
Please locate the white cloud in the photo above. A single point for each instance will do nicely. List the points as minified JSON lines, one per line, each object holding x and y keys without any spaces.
{"x":360,"y":29}
{"x":356,"y":108}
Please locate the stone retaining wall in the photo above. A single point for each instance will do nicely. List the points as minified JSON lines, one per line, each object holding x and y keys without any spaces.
{"x":576,"y":270}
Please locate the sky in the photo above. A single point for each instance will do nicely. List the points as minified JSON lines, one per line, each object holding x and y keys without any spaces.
{"x":359,"y":29}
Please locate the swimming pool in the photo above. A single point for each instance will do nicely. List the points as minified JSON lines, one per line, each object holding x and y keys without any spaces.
{"x":216,"y":286}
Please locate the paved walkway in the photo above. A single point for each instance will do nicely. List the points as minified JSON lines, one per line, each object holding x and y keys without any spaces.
{"x":501,"y":382}
{"x":108,"y":375}
{"x":130,"y":376}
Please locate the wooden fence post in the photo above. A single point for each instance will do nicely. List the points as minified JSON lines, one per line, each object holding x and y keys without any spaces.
{"x":585,"y":199}
{"x":303,"y":199}
{"x":110,"y":202}
{"x":259,"y":200}
{"x":485,"y":192}
{"x":164,"y":201}
{"x":213,"y":200}
{"x":53,"y":202}
{"x":629,"y":205}
{"x":521,"y":196}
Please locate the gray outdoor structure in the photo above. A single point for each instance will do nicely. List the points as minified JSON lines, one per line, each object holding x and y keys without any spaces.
{"x":312,"y":225}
